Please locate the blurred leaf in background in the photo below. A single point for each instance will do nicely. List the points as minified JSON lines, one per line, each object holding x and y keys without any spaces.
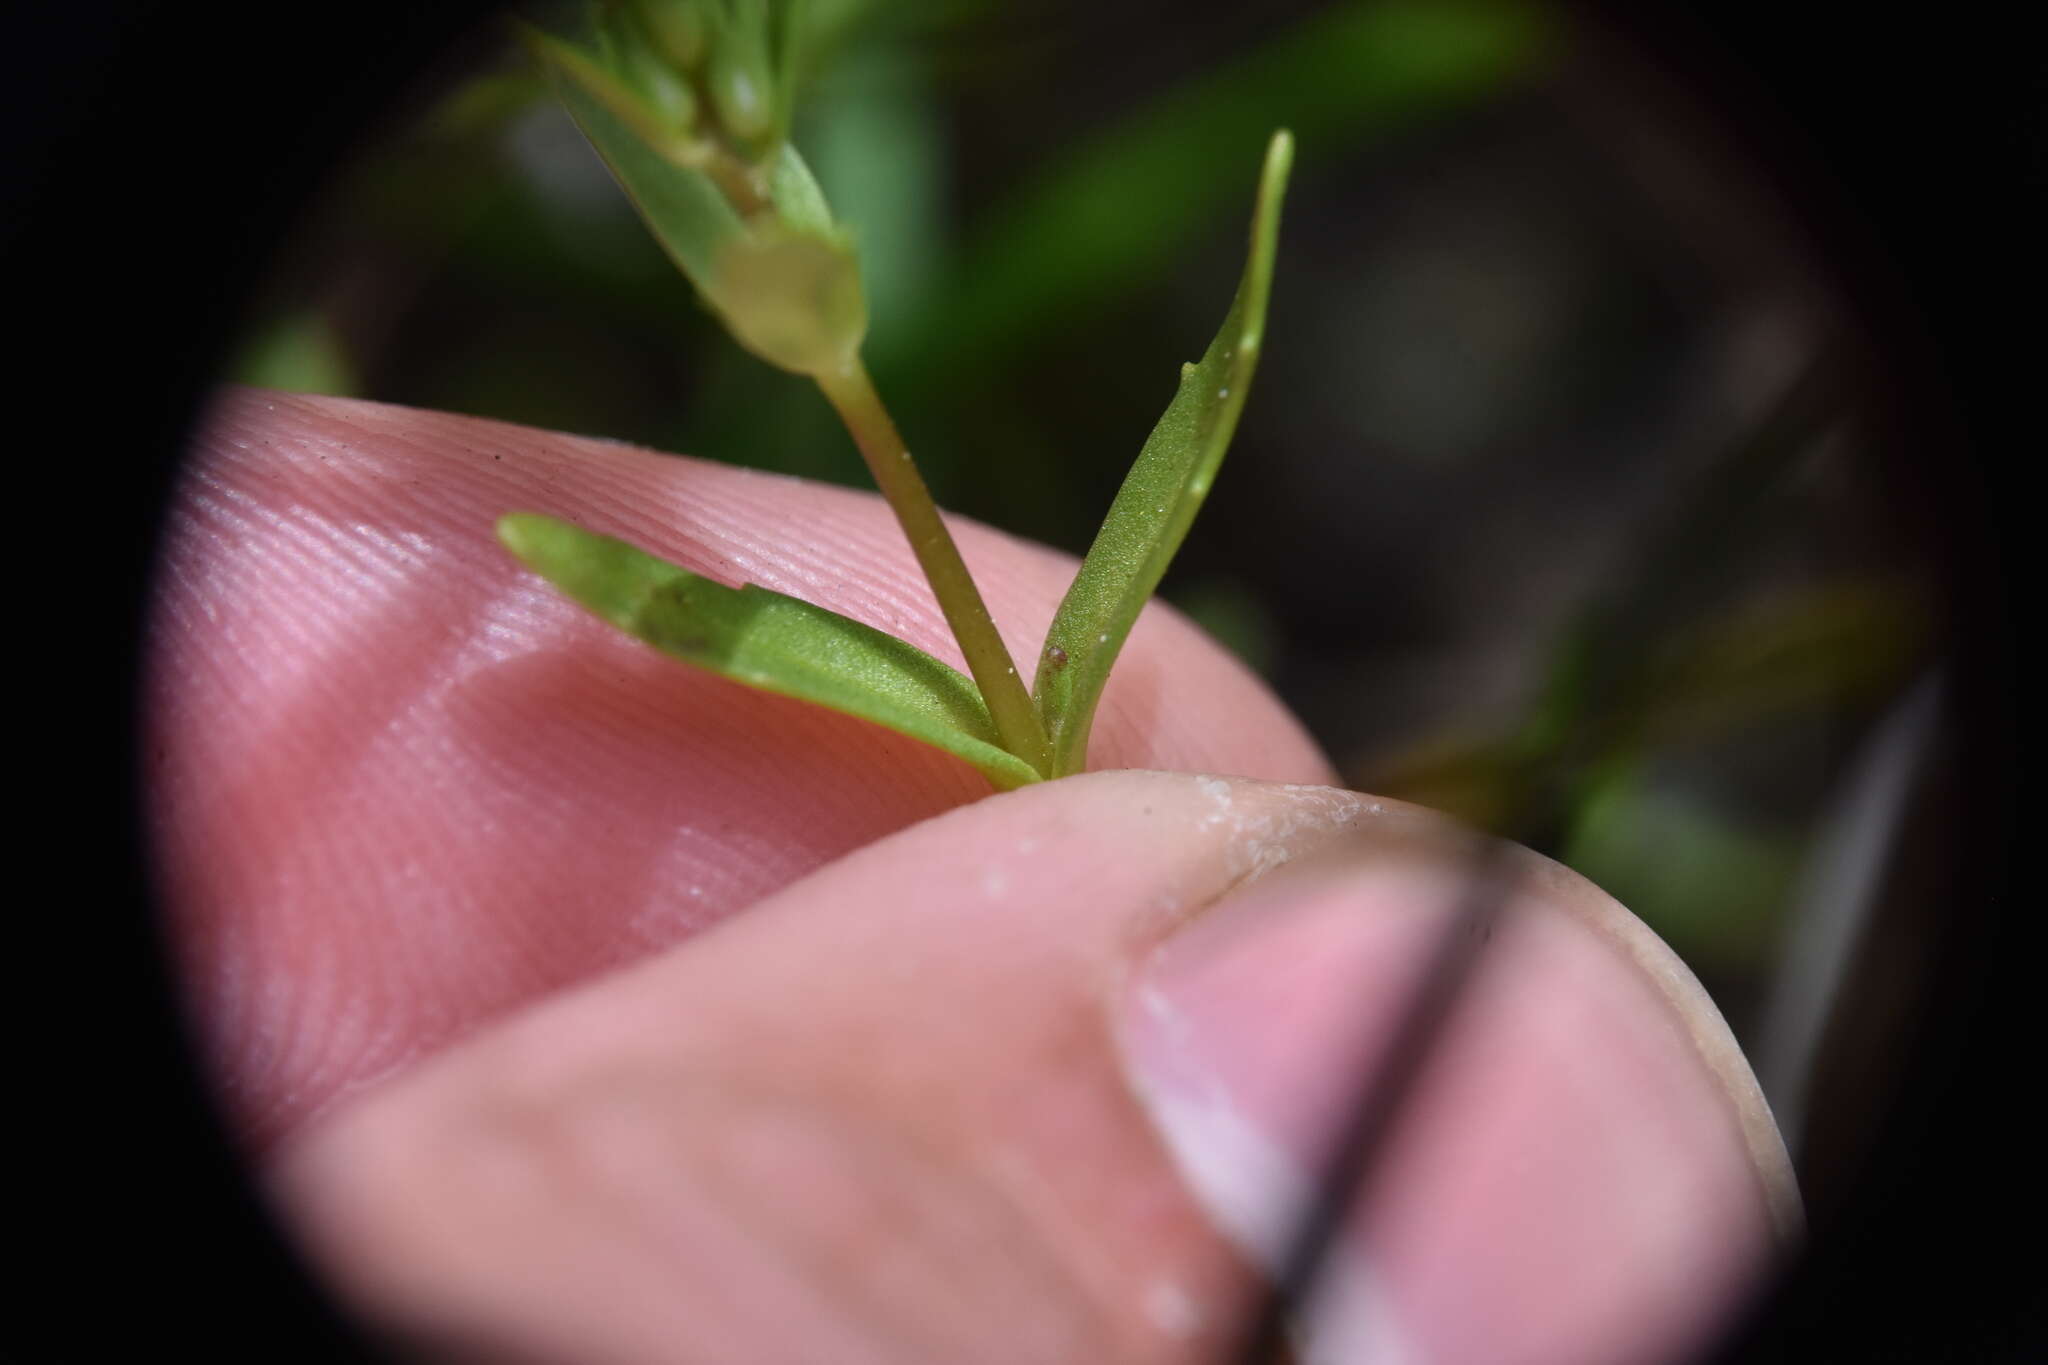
{"x":1718,"y":887}
{"x":1116,"y":212}
{"x":299,"y":352}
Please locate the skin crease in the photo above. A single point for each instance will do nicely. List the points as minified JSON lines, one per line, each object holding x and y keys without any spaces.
{"x":440,"y":852}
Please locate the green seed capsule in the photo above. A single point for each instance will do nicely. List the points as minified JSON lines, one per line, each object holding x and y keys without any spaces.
{"x":740,"y":91}
{"x":677,"y":28}
{"x":667,"y":93}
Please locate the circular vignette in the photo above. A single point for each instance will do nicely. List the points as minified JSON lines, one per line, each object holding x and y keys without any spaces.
{"x":1919,"y":260}
{"x":158,"y":155}
{"x":167,"y":150}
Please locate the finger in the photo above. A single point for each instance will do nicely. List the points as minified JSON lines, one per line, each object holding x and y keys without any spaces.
{"x":1038,"y":1080}
{"x":402,"y":785}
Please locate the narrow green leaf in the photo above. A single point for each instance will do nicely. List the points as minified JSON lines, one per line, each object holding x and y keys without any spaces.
{"x":1160,"y":496}
{"x":767,"y":640}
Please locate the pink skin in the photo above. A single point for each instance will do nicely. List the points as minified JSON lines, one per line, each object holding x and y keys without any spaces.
{"x":405,"y":786}
{"x":438,"y":848}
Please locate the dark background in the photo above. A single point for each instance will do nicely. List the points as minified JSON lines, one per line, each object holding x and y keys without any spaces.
{"x":1511,"y":330}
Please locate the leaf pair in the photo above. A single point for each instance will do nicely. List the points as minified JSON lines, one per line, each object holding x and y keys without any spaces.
{"x":783,"y":278}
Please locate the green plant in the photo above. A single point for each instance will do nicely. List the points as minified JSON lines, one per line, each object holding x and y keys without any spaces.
{"x":688,"y":102}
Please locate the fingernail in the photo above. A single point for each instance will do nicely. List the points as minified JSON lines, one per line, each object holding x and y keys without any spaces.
{"x":1570,"y":1179}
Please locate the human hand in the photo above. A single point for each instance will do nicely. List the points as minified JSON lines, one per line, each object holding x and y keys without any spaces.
{"x":1035,"y":1078}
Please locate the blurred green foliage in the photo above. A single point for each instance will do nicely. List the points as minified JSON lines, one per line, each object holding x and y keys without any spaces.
{"x":300,"y":352}
{"x":494,"y":205}
{"x":1111,"y":215}
{"x":1716,"y":882}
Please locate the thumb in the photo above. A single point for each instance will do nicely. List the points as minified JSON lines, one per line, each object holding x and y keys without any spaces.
{"x":1043,"y":1078}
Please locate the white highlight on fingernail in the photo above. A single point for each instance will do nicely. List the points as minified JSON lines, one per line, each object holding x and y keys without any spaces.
{"x":1252,"y":1188}
{"x":1256,"y":1193}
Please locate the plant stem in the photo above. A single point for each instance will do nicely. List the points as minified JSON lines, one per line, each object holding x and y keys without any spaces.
{"x":888,"y":459}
